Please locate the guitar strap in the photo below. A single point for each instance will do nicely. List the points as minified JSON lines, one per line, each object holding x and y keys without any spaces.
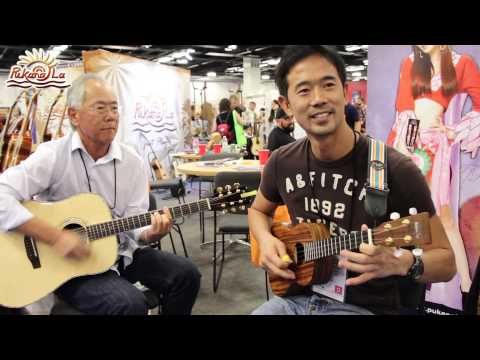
{"x":376,"y":185}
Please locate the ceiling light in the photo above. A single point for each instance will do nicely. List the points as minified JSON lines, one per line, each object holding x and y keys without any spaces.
{"x":190,"y":51}
{"x":265,"y":77}
{"x":352,"y":47}
{"x":355,"y":68}
{"x":211,"y":74}
{"x":365,"y":62}
{"x":178,"y":54}
{"x":182,"y":61}
{"x":219,"y":54}
{"x":365,"y":47}
{"x":357,"y":73}
{"x":60,"y":48}
{"x":233,"y":47}
{"x":188,"y":56}
{"x":147,"y":46}
{"x":54,"y":53}
{"x":228,"y":49}
{"x":165,"y":59}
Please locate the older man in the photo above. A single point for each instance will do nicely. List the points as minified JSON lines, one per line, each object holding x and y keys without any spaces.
{"x":90,"y":160}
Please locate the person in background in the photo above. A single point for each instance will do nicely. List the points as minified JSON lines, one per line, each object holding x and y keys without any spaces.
{"x":361,"y":107}
{"x":250,"y":115}
{"x":352,"y":117}
{"x":281,"y":134}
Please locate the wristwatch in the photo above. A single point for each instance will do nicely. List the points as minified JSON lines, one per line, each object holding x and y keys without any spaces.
{"x":416,"y":270}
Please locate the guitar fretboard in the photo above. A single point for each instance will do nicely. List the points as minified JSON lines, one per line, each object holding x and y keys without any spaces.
{"x":318,"y":249}
{"x":118,"y":226}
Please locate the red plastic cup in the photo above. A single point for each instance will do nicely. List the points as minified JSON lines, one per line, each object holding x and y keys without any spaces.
{"x":217,"y":148}
{"x":202,"y":149}
{"x":263,"y":156}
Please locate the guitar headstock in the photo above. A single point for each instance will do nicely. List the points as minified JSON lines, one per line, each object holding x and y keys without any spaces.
{"x":232,"y":198}
{"x":412,"y":230}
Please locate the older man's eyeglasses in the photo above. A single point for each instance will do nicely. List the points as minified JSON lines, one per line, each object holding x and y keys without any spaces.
{"x":103,"y":109}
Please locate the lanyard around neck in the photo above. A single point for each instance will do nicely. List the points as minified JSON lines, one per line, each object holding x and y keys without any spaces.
{"x":114,"y":176}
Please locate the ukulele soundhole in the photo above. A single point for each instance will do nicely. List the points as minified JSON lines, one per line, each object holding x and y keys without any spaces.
{"x":300,"y":254}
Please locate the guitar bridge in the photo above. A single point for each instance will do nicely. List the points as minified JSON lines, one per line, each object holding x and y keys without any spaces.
{"x":32,"y":251}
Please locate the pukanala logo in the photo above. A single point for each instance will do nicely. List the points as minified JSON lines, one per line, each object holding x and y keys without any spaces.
{"x":36,"y":69}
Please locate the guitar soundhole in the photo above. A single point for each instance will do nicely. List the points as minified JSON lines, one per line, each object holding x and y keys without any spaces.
{"x":73,"y":227}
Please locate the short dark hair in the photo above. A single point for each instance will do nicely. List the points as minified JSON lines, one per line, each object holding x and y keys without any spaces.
{"x":292,"y":54}
{"x":224,"y":105}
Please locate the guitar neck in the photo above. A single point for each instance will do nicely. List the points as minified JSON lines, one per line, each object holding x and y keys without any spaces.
{"x":118,"y":226}
{"x":314,"y":250}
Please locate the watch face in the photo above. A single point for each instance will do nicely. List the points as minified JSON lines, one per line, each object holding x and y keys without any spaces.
{"x":417,"y":252}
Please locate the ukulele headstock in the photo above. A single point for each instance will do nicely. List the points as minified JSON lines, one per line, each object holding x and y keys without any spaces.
{"x":413,"y":230}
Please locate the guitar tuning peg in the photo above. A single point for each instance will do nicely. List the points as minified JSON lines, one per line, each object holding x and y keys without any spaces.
{"x":240,"y":201}
{"x":413,"y":211}
{"x":228,"y":187}
{"x":236,"y":185}
{"x":220,"y":195}
{"x":394,"y":216}
{"x":219,"y":189}
{"x":224,"y":206}
{"x":242,"y":207}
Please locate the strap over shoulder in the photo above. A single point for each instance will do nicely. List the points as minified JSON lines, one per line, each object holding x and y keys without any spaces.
{"x":376,"y":185}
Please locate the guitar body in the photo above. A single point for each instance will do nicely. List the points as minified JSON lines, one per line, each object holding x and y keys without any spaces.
{"x":21,"y":284}
{"x":256,"y":146}
{"x":159,"y":171}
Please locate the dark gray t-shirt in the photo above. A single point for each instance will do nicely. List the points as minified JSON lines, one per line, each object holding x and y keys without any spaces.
{"x":333,"y":193}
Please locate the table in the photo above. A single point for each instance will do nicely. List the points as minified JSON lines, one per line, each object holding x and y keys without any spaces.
{"x":187,"y":156}
{"x":213,"y":167}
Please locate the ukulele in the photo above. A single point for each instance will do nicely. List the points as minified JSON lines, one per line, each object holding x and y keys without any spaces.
{"x":313,"y":250}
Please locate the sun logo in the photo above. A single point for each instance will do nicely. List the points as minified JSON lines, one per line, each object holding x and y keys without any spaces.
{"x":37,"y":56}
{"x":36,"y":69}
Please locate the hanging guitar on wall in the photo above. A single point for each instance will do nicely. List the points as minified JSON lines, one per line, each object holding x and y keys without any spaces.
{"x":4,"y":136}
{"x":20,"y":144}
{"x":44,"y":136}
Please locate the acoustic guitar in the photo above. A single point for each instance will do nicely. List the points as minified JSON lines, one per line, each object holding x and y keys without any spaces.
{"x":257,"y":144}
{"x":313,"y":251}
{"x":30,"y":270}
{"x":4,"y":137}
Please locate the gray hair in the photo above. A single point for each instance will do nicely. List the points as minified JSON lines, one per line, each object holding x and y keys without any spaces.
{"x":76,"y":92}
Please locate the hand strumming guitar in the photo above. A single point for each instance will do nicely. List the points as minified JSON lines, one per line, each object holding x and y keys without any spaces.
{"x":69,"y":244}
{"x":374,"y":262}
{"x":274,"y":258}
